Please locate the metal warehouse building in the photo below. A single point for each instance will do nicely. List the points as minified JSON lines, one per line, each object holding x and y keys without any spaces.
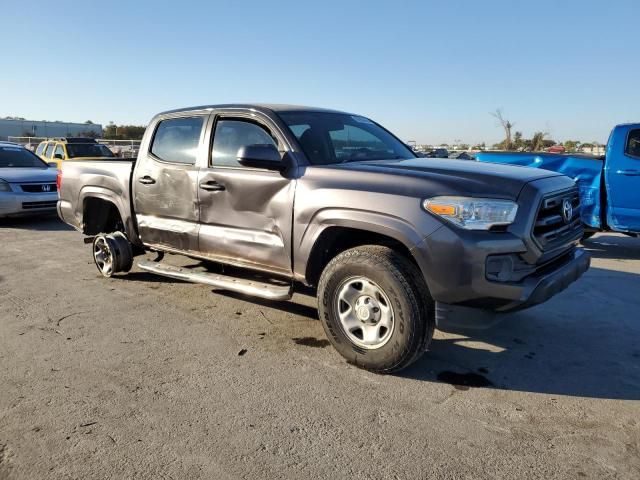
{"x":23,"y":128}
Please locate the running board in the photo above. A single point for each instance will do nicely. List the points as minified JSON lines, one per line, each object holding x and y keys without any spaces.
{"x":268,"y":291}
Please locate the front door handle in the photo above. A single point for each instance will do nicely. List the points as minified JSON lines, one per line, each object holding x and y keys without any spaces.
{"x":212,"y":186}
{"x":631,"y":173}
{"x":146,"y":180}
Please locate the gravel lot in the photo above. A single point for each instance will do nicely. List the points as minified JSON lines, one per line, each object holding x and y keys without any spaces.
{"x":144,"y":377}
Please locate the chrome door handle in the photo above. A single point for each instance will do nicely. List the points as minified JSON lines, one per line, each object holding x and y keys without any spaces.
{"x":631,"y":173}
{"x":146,"y":180}
{"x":212,"y":186}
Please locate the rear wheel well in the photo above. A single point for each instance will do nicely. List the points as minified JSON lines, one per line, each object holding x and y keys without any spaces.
{"x":100,"y":216}
{"x":335,"y":240}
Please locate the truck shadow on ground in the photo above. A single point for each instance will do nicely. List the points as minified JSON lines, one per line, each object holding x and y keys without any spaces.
{"x":49,"y":223}
{"x":585,"y":343}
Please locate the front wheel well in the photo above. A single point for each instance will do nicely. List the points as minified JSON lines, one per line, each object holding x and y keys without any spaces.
{"x":100,"y":216}
{"x":335,"y":240}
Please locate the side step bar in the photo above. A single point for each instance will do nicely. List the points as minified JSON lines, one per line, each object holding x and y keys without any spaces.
{"x":224,"y":282}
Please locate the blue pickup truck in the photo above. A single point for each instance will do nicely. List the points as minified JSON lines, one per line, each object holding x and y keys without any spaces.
{"x":609,"y":185}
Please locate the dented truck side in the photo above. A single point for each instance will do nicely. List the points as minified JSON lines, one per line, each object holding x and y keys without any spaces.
{"x":334,"y":201}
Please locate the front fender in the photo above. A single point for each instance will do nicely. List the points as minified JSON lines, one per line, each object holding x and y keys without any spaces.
{"x":399,"y":229}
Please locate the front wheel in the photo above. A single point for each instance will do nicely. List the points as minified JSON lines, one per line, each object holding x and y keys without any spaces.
{"x":375,"y":308}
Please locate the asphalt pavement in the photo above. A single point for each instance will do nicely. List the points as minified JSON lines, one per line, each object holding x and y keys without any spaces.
{"x":140,"y":376}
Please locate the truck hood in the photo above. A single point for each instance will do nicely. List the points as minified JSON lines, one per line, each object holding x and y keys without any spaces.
{"x":19,"y":175}
{"x":473,"y":178}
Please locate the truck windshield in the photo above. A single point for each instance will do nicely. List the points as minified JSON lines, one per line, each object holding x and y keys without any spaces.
{"x":76,"y":150}
{"x":328,"y":138}
{"x":18,"y":157}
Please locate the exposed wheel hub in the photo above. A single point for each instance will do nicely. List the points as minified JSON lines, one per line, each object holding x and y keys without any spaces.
{"x":112,"y":253}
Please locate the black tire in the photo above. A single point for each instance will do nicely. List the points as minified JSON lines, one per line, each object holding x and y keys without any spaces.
{"x":402,"y":282}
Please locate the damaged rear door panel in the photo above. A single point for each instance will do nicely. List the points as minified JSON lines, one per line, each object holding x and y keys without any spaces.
{"x":165,"y":184}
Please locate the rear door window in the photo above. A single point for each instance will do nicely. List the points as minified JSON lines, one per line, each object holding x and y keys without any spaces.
{"x":40,"y":148}
{"x":49,"y":151}
{"x":633,"y":144}
{"x":176,"y":139}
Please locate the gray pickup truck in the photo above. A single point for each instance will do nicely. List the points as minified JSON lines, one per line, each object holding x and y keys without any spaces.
{"x":295,"y":195}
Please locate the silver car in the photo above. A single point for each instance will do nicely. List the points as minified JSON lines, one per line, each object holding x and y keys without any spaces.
{"x":27,"y":184}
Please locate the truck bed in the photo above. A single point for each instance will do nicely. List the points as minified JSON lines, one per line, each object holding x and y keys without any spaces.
{"x":107,"y":179}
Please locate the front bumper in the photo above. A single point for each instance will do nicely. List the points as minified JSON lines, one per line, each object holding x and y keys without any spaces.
{"x":454,"y":263}
{"x":17,"y":204}
{"x":541,"y":286}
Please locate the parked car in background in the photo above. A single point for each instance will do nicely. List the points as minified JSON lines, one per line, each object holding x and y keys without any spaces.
{"x":335,"y":201}
{"x":461,"y":156}
{"x":60,"y":149}
{"x":609,"y":185}
{"x":438,"y":153}
{"x":27,"y":184}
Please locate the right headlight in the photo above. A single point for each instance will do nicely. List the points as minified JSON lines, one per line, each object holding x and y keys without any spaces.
{"x":473,"y":213}
{"x":4,"y":186}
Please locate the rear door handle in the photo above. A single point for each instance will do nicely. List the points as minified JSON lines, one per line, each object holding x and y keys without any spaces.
{"x":631,"y":173}
{"x":212,"y":186}
{"x":146,"y":180}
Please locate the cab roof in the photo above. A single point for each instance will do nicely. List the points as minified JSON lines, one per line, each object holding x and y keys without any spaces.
{"x":263,"y":107}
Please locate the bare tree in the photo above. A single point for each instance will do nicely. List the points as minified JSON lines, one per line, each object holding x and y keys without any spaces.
{"x":506,"y":125}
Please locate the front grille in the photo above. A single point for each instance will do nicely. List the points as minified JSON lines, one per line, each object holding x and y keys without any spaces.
{"x":32,"y":205}
{"x":553,"y":228}
{"x":38,"y":187}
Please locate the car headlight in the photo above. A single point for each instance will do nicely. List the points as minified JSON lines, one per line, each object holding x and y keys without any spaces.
{"x":472,"y":213}
{"x":4,"y":186}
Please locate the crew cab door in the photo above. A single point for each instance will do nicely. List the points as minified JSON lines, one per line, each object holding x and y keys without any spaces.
{"x":245,"y":213}
{"x":165,"y":183}
{"x":622,"y":175}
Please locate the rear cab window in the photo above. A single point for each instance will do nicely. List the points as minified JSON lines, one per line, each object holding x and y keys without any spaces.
{"x":632,"y":148}
{"x":176,"y":140}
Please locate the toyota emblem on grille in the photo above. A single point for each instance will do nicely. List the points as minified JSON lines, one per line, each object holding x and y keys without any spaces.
{"x":567,"y":210}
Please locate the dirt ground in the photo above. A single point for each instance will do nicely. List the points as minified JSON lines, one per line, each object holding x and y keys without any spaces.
{"x":143,"y":377}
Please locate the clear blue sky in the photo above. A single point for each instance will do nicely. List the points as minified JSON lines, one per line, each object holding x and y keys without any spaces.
{"x":429,"y":70}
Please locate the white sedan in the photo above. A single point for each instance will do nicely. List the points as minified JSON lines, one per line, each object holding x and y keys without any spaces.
{"x":27,"y":184}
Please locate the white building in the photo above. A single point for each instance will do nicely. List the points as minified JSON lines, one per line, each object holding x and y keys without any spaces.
{"x":35,"y":128}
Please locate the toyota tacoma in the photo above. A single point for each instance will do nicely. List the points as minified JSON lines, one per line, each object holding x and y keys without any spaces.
{"x":296,"y":195}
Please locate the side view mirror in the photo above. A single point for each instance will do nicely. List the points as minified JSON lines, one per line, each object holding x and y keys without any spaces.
{"x":260,"y":156}
{"x":52,"y":164}
{"x":58,"y":156}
